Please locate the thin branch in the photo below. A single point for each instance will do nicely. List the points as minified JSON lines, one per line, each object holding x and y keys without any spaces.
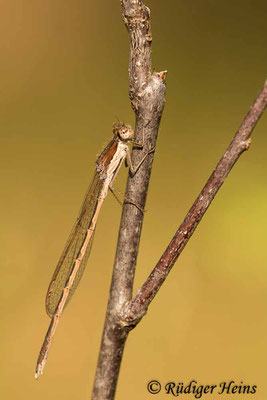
{"x":241,"y":141}
{"x":147,"y":95}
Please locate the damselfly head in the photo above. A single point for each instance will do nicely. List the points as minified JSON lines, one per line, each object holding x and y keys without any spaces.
{"x":124,"y":132}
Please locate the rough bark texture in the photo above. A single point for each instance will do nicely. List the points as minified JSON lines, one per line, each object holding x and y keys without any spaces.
{"x":147,"y":95}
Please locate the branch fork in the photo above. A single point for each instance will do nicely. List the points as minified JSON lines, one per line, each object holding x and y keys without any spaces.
{"x":147,"y":95}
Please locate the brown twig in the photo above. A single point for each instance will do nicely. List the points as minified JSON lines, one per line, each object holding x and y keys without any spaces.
{"x":241,"y":141}
{"x":147,"y":95}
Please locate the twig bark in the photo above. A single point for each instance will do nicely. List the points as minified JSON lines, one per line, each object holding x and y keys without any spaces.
{"x":136,"y":309}
{"x":147,"y":95}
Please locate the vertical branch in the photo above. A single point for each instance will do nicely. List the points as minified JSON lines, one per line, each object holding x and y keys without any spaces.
{"x":147,"y":95}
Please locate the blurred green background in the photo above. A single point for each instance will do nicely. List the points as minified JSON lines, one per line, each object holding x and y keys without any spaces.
{"x":63,"y":82}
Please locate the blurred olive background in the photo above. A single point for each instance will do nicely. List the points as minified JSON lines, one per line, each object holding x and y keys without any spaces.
{"x":63,"y":82}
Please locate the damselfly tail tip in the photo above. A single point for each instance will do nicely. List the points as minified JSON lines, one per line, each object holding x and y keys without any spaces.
{"x":39,"y":370}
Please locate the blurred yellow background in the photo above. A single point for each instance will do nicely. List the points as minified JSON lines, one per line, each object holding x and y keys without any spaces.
{"x":63,"y":82}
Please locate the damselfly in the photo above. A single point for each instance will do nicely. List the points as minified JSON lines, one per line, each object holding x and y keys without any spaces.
{"x":72,"y":263}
